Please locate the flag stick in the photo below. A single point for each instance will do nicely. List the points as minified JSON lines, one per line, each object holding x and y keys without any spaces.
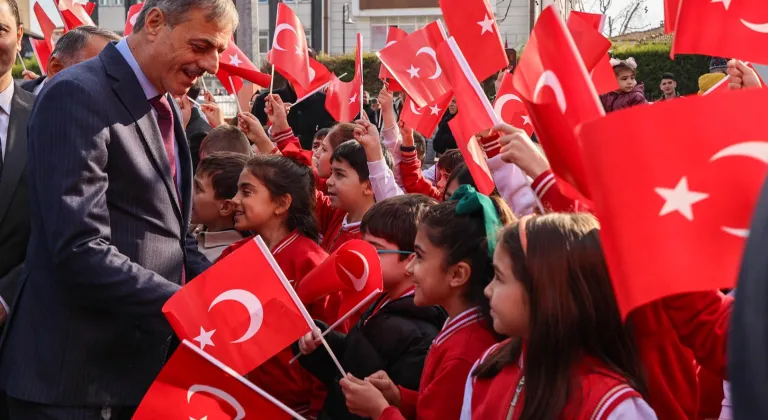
{"x":237,"y":101}
{"x":216,"y":362}
{"x":23,"y":66}
{"x":333,"y":356}
{"x":344,"y":318}
{"x":303,"y":98}
{"x":272,"y":80}
{"x":205,"y":87}
{"x":535,"y":196}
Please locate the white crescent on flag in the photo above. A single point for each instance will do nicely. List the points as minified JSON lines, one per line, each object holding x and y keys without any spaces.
{"x":222,"y":395}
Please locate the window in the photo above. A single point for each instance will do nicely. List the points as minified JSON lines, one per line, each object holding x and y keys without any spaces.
{"x":378,"y":36}
{"x":262,"y":1}
{"x":119,"y":2}
{"x":263,"y":41}
{"x":308,"y":34}
{"x":380,"y":27}
{"x":104,"y":2}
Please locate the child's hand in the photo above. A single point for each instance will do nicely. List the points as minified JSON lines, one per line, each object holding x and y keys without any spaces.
{"x":310,"y":342}
{"x":363,"y":399}
{"x":29,"y":75}
{"x":407,"y":133}
{"x":741,"y":76}
{"x":519,"y":149}
{"x":213,"y":114}
{"x":388,"y":388}
{"x":185,"y":105}
{"x":251,"y":126}
{"x":277,"y":112}
{"x":368,"y":136}
{"x":385,"y":99}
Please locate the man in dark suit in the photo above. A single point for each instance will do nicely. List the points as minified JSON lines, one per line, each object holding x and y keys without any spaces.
{"x":110,"y":180}
{"x":76,"y":46}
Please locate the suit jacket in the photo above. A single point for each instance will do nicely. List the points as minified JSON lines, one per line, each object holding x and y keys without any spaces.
{"x":196,"y":131}
{"x":108,"y":242}
{"x":30,"y":85}
{"x":14,"y":206}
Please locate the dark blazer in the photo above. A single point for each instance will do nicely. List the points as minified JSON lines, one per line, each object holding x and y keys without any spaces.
{"x":196,"y":131}
{"x":444,"y":140}
{"x":14,"y":204}
{"x":30,"y":85}
{"x":108,"y":242}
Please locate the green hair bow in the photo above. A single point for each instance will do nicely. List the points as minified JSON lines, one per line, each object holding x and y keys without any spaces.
{"x":471,"y":202}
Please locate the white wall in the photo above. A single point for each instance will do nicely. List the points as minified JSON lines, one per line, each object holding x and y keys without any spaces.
{"x":112,"y":18}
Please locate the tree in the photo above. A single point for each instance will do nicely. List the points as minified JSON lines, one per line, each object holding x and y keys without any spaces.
{"x":629,"y":18}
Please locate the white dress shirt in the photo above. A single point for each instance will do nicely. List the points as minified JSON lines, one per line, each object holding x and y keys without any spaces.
{"x":39,"y":87}
{"x":5,"y":116}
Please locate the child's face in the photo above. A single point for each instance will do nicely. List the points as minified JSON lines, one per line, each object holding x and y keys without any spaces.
{"x":426,"y":269}
{"x":254,"y":205}
{"x":450,"y":189}
{"x":345,"y":190}
{"x":392,"y":268}
{"x":206,"y":209}
{"x":442,"y":180}
{"x":323,"y":158}
{"x":316,"y":143}
{"x":626,"y":79}
{"x":508,"y":298}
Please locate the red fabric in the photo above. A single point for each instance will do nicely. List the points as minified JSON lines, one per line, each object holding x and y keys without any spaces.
{"x":739,"y":29}
{"x":545,"y":187}
{"x":670,"y":18}
{"x":599,"y":389}
{"x":319,"y":77}
{"x":592,"y":45}
{"x":413,"y":179}
{"x":676,"y":187}
{"x":445,"y":371}
{"x":425,"y":119}
{"x":42,"y":52}
{"x":510,"y":107}
{"x":191,"y":387}
{"x":130,"y":19}
{"x":473,"y":154}
{"x":343,"y":99}
{"x":226,"y":302}
{"x":602,"y":74}
{"x":43,"y":48}
{"x":559,"y":95}
{"x":75,"y":14}
{"x":394,"y":34}
{"x":711,"y":394}
{"x":289,"y":47}
{"x":234,"y":62}
{"x":231,"y":83}
{"x":416,"y":53}
{"x":474,"y":27}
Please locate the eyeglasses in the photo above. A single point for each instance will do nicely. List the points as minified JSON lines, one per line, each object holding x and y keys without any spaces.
{"x":392,"y":251}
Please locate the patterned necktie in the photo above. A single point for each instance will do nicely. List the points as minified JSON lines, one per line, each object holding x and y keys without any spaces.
{"x":165,"y":122}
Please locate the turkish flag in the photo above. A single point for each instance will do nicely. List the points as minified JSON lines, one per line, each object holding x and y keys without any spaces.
{"x":733,"y":29}
{"x":476,"y":109}
{"x":394,"y":34}
{"x":675,"y":197}
{"x":586,"y":30}
{"x":242,"y":310}
{"x":559,"y":96}
{"x":320,"y":77}
{"x":353,"y":269}
{"x":234,"y":61}
{"x":192,"y":386}
{"x":670,"y":15}
{"x":130,"y":20}
{"x":232,"y":84}
{"x":289,"y":51}
{"x":43,"y":48}
{"x":412,"y":61}
{"x":75,"y":14}
{"x":425,"y":120}
{"x":509,"y":107}
{"x":472,"y":24}
{"x":474,"y":157}
{"x":344,"y":100}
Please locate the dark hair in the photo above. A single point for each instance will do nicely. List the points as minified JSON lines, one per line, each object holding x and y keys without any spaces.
{"x":573,"y":312}
{"x":224,"y":169}
{"x":450,"y":160}
{"x":669,"y":76}
{"x":463,"y":238}
{"x":421,"y":146}
{"x":321,"y":133}
{"x":284,"y":176}
{"x":397,"y":219}
{"x":15,"y":11}
{"x":225,"y":138}
{"x":194,"y":91}
{"x":340,"y":133}
{"x":354,"y":154}
{"x":464,"y":176}
{"x":176,"y":11}
{"x":623,"y":66}
{"x":69,"y":46}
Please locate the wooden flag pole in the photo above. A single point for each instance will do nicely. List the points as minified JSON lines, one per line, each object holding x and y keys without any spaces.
{"x":272,"y":80}
{"x":23,"y":66}
{"x":237,"y":101}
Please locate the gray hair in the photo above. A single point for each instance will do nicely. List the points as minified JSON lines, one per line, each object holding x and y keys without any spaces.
{"x":69,"y":46}
{"x":175,"y":11}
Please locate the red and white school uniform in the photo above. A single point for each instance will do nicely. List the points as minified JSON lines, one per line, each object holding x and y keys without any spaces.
{"x":460,"y":343}
{"x":553,"y":200}
{"x":296,"y":255}
{"x":414,"y":181}
{"x":601,"y":394}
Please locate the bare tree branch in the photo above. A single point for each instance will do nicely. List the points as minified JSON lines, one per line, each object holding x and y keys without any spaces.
{"x":506,"y":13}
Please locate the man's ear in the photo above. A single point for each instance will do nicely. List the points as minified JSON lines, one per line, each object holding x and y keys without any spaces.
{"x":153,"y":23}
{"x":54,"y":66}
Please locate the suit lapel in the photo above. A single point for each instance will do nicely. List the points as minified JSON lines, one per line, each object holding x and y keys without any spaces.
{"x":130,"y":93}
{"x":15,"y":159}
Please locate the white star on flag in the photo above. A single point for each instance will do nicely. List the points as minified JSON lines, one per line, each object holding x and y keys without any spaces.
{"x":487,"y":24}
{"x":235,"y":60}
{"x":205,"y":338}
{"x":434,"y":110}
{"x":680,"y":199}
{"x":413,"y":71}
{"x":353,"y":98}
{"x":299,"y":50}
{"x":726,"y":3}
{"x":526,"y":120}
